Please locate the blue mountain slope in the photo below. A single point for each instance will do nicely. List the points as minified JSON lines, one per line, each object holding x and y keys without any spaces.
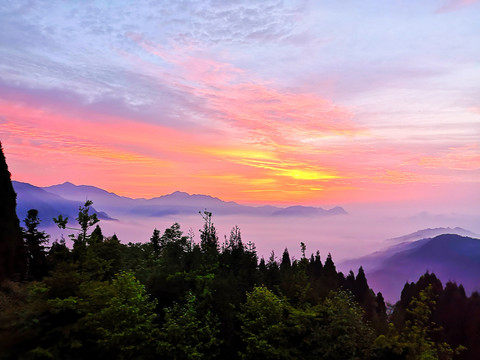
{"x":451,"y":257}
{"x":48,"y":205}
{"x":429,"y":233}
{"x":103,"y":199}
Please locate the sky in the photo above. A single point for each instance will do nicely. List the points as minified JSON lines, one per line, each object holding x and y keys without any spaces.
{"x":278,"y":102}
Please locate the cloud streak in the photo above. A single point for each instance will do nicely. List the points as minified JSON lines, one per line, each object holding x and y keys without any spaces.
{"x":455,"y":5}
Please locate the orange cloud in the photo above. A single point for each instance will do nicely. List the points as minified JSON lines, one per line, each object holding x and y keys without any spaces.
{"x":400,"y":177}
{"x":146,"y":160}
{"x":459,"y":158}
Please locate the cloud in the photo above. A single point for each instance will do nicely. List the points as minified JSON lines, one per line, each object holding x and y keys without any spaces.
{"x":460,"y":158}
{"x":258,"y":97}
{"x":455,"y":5}
{"x":214,"y":22}
{"x":235,"y":97}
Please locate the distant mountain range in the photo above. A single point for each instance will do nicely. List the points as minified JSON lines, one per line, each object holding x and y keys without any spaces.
{"x":452,"y":257}
{"x":48,"y":204}
{"x":429,"y":233}
{"x":66,"y":198}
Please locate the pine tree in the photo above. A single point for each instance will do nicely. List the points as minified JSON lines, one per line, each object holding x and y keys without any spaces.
{"x":208,"y":235}
{"x":329,"y":268}
{"x":155,"y":241}
{"x":13,"y":261}
{"x":34,"y":242}
{"x":96,"y":237}
{"x":286,"y":263}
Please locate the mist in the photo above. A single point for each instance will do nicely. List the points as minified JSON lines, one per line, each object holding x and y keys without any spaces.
{"x":360,"y":232}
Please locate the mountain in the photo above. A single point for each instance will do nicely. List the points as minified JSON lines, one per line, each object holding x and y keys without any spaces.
{"x":49,"y":205}
{"x":451,"y":257}
{"x":175,"y":203}
{"x":103,"y":199}
{"x":299,"y":210}
{"x":429,"y":233}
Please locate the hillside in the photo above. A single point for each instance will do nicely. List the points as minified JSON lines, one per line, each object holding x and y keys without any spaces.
{"x":49,"y":205}
{"x":451,"y":257}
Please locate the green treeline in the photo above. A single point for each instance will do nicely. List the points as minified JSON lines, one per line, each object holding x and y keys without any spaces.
{"x":177,"y":298}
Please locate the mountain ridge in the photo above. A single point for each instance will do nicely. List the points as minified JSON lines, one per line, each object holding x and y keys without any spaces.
{"x":48,"y":204}
{"x":432,"y":232}
{"x":452,"y":257}
{"x":177,"y":202}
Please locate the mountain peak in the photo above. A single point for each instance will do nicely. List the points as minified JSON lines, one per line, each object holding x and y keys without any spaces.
{"x":66,"y":183}
{"x":179,"y":193}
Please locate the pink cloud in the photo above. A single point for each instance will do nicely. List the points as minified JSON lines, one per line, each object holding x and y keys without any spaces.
{"x":459,"y":158}
{"x":454,"y":5}
{"x":250,"y":141}
{"x":270,"y":115}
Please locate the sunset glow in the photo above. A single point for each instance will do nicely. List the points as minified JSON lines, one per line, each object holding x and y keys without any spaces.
{"x":286,"y":103}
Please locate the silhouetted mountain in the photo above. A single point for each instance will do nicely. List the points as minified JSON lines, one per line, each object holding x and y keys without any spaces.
{"x":180,"y":202}
{"x":451,"y":257}
{"x":429,"y":233}
{"x":49,"y":205}
{"x":308,"y":211}
{"x":175,"y":203}
{"x":102,"y":199}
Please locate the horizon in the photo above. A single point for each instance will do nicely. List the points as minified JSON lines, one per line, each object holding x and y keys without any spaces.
{"x":275,"y":103}
{"x":360,"y":231}
{"x":407,"y":209}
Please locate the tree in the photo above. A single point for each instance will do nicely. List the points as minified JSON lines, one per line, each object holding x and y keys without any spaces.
{"x":329,"y":268}
{"x":286,"y":264}
{"x":208,"y":235}
{"x":235,"y":241}
{"x":124,"y":325}
{"x":13,"y":260}
{"x":303,"y":249}
{"x":155,"y":240}
{"x":34,"y":241}
{"x":86,"y":221}
{"x":187,"y":334}
{"x":263,"y":325}
{"x":334,"y":329}
{"x":96,"y":237}
{"x":419,"y":328}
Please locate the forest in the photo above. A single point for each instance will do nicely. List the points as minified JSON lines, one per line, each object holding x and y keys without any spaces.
{"x":178,"y":297}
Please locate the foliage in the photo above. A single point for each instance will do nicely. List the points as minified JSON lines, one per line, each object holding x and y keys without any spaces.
{"x":35,"y":241}
{"x":187,"y":333}
{"x":13,"y":260}
{"x":122,"y":321}
{"x":263,"y":325}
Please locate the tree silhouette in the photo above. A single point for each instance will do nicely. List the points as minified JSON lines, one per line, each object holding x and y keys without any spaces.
{"x":34,"y":241}
{"x":13,"y":262}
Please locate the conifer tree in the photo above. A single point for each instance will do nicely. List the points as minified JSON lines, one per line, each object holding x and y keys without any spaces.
{"x":329,"y":268}
{"x":12,"y":250}
{"x":155,"y":241}
{"x":34,"y":242}
{"x":96,"y":237}
{"x":208,"y":235}
{"x":286,"y":263}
